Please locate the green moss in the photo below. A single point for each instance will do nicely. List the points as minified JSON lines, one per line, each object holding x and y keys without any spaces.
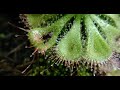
{"x":114,"y":73}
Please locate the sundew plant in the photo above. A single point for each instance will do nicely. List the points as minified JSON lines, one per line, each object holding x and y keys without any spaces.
{"x":75,"y":39}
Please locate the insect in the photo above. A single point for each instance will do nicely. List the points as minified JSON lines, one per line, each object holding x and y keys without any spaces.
{"x":47,"y":36}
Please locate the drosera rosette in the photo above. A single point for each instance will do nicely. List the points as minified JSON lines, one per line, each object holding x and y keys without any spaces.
{"x":74,"y":39}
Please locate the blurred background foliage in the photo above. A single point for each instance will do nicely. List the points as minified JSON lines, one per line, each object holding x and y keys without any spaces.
{"x":15,"y":59}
